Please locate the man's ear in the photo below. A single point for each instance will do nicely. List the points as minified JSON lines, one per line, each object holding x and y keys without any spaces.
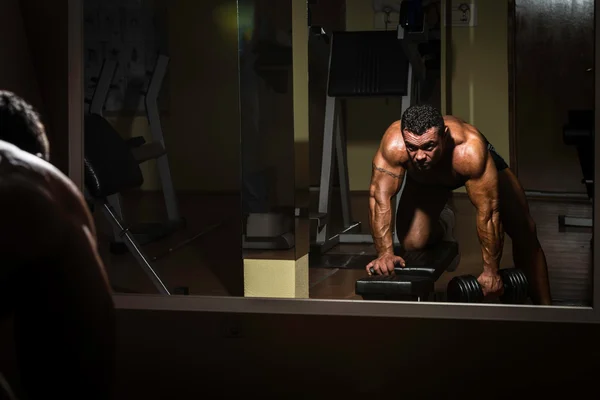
{"x":445,"y":132}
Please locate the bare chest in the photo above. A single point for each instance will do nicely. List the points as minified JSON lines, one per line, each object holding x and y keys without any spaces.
{"x":447,"y":178}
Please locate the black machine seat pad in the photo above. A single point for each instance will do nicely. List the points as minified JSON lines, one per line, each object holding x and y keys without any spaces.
{"x":394,"y":285}
{"x":109,"y":165}
{"x":433,"y":261}
{"x":422,"y":269}
{"x":367,"y":63}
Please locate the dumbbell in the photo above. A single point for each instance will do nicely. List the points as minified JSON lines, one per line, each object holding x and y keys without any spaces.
{"x":466,"y":288}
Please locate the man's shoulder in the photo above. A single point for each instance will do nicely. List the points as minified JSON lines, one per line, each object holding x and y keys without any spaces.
{"x":393,"y":147}
{"x":470,"y":156}
{"x":39,"y":203}
{"x":452,"y":119}
{"x":393,"y":132}
{"x":28,"y":178}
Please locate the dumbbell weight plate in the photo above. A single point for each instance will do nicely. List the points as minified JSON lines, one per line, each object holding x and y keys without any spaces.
{"x":509,"y":287}
{"x":516,"y":287}
{"x":524,"y":287}
{"x":475,"y":292}
{"x":464,"y":289}
{"x":454,"y":290}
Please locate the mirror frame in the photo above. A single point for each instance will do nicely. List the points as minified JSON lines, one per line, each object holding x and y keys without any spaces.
{"x":76,"y":94}
{"x":358,"y":308}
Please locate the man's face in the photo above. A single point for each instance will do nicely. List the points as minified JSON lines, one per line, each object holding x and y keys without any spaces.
{"x":424,"y":150}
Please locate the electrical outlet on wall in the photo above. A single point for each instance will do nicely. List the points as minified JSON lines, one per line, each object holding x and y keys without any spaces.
{"x":462,"y":13}
{"x":386,"y":21}
{"x":380,"y":6}
{"x":387,"y":14}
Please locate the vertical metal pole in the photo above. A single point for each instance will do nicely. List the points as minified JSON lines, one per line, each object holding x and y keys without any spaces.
{"x":164,"y":170}
{"x":107,"y":73}
{"x":407,"y":99}
{"x":76,"y":93}
{"x":326,"y":168}
{"x":342,"y":163}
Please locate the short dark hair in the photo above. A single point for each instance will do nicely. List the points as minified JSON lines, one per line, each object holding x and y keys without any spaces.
{"x":418,"y":119}
{"x":21,"y":126}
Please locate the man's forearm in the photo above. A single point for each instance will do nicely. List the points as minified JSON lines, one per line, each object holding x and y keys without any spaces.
{"x":491,"y":238}
{"x":380,"y":218}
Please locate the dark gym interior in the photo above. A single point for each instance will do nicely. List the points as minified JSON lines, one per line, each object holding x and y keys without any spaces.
{"x":208,"y":123}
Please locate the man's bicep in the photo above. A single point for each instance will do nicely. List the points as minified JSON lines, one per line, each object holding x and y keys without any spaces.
{"x":387,"y":175}
{"x":482,"y":186}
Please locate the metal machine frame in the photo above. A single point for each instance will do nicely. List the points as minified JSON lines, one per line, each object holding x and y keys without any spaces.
{"x":103,"y":87}
{"x":334,"y":146}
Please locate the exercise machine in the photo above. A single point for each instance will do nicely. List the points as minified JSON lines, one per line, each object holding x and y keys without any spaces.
{"x":110,"y":168}
{"x":413,"y":282}
{"x":142,"y":152}
{"x":579,"y":132}
{"x":363,"y":64}
{"x":113,"y":149}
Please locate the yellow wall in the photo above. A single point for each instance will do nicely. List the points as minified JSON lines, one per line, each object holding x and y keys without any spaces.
{"x":480,"y":73}
{"x":479,"y":86}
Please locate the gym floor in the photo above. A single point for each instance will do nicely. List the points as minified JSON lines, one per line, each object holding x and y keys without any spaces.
{"x":212,"y":263}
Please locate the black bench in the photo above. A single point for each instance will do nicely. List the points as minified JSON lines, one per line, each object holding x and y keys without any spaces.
{"x":415,"y":281}
{"x":579,"y":132}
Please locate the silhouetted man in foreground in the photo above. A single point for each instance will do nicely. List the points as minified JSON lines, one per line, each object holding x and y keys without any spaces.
{"x":52,"y":281}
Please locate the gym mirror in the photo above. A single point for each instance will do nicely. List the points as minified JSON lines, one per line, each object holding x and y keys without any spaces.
{"x":490,"y":74}
{"x":368,"y":62}
{"x":313,"y":109}
{"x":162,"y":137}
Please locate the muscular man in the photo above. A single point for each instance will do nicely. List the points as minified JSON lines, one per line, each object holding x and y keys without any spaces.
{"x":53,"y":286}
{"x":437,"y":154}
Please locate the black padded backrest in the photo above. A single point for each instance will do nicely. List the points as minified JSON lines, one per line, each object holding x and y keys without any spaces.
{"x":367,"y":63}
{"x":108,"y":162}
